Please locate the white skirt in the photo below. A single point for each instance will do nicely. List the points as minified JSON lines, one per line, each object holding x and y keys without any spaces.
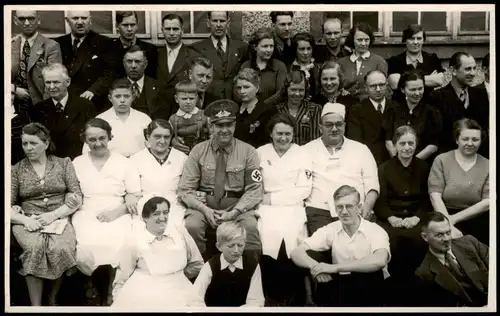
{"x":277,"y":223}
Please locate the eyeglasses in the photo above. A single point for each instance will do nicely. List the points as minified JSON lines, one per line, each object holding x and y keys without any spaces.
{"x":23,"y":19}
{"x":375,"y":86}
{"x":331,"y":125}
{"x":348,"y":207}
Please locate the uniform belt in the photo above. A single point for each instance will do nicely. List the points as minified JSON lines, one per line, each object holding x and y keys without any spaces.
{"x":228,"y":194}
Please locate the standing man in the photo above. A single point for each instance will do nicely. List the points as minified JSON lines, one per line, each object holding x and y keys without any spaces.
{"x":454,"y":271}
{"x":365,"y":119}
{"x":226,"y":54}
{"x":334,"y":48}
{"x":89,"y":58}
{"x":175,"y":58}
{"x":226,"y":171}
{"x":64,"y":113}
{"x":460,"y":99}
{"x":282,"y":27}
{"x":202,"y":74}
{"x":126,"y":25}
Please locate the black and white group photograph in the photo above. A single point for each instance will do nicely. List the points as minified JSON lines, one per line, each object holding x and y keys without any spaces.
{"x":169,"y":158}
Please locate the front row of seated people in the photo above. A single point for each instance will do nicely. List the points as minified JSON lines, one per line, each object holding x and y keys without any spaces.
{"x":103,"y":187}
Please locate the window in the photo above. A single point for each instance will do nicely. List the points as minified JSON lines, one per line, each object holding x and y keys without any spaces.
{"x":51,"y":22}
{"x":474,"y":22}
{"x":432,"y":22}
{"x":350,"y":19}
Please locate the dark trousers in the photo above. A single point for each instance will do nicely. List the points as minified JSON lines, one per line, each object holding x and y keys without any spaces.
{"x":352,"y":290}
{"x":317,"y":218}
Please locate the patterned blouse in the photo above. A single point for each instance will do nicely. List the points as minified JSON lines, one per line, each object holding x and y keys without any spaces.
{"x":307,"y":121}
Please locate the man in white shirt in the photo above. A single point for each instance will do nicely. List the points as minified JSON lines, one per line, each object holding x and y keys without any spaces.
{"x":360,"y":253}
{"x":126,"y":123}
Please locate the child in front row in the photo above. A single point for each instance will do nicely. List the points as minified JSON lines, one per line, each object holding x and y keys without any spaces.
{"x":232,"y":278}
{"x":189,"y":123}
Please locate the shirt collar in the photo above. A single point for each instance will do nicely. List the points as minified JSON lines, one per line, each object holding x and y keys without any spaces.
{"x":228,"y":149}
{"x":187,"y":115}
{"x":175,"y":50}
{"x":80,"y":38}
{"x":63,"y":100}
{"x":223,"y":41}
{"x":375,"y":104}
{"x":411,"y":60}
{"x":30,"y":40}
{"x":302,"y":67}
{"x":344,"y":142}
{"x":224,"y":264}
{"x":126,"y":45}
{"x":140,"y":82}
{"x":457,"y":89}
{"x":365,"y":56}
{"x":360,"y":229}
{"x":150,"y":238}
{"x":442,"y":257}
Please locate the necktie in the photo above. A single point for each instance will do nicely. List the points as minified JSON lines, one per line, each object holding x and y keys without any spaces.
{"x":76,"y":41}
{"x":379,"y":108}
{"x":453,"y":266}
{"x":23,"y":65}
{"x":220,"y":51}
{"x":170,"y":60}
{"x":220,"y":176}
{"x":135,"y":90}
{"x":59,"y":108}
{"x":463,"y":96}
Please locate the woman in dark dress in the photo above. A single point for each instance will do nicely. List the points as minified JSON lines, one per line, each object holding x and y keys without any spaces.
{"x":414,"y":58}
{"x":331,"y":88}
{"x":402,"y":202}
{"x":425,"y":119}
{"x":254,"y":113}
{"x":303,"y":49}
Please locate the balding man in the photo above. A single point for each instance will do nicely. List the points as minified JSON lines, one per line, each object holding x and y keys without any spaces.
{"x":89,"y":58}
{"x":364,"y":122}
{"x":64,"y":113}
{"x":334,"y":48}
{"x":226,"y":54}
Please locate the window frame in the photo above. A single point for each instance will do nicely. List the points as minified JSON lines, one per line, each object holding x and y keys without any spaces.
{"x":449,"y":24}
{"x":191,"y":35}
{"x":487,"y":25}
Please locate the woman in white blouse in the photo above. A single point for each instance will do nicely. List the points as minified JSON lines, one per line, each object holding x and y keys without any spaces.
{"x":286,"y":169}
{"x":160,"y":166}
{"x":157,"y":263}
{"x":111,"y":187}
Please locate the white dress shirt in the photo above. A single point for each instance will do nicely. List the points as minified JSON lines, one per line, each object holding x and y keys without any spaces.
{"x":80,"y":38}
{"x":354,"y":58}
{"x":223,"y":42}
{"x":128,"y":136}
{"x":353,"y":164}
{"x":255,"y":296}
{"x":140,"y":83}
{"x":375,"y":104}
{"x":368,"y":238}
{"x":30,"y":40}
{"x":172,"y":54}
{"x":63,"y":101}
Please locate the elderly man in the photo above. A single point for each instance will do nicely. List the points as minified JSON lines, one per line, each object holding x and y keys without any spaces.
{"x":334,"y":48}
{"x":89,"y":58}
{"x":127,"y":24}
{"x":282,"y":27}
{"x":454,"y":271}
{"x":221,"y":181}
{"x":226,"y":54}
{"x":64,"y":114}
{"x":359,"y":250}
{"x":460,"y":99}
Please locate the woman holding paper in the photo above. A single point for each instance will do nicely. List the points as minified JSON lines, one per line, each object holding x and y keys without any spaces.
{"x":44,"y":192}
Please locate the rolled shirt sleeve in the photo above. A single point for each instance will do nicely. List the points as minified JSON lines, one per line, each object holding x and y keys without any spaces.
{"x":322,"y":239}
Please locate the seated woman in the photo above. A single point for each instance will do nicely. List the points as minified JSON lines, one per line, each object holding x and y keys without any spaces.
{"x":425,"y":119}
{"x":110,"y":184}
{"x":402,"y":202}
{"x":286,"y":171}
{"x":331,"y":89}
{"x":160,"y":166}
{"x":306,"y":115}
{"x":303,"y":47}
{"x":356,"y":66}
{"x":414,"y":58}
{"x":272,"y":71}
{"x":254,"y":114}
{"x":459,"y":183}
{"x":157,"y":262}
{"x":44,"y":191}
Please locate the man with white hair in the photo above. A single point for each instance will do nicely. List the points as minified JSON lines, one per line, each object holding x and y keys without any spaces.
{"x":64,"y":113}
{"x":89,"y":58}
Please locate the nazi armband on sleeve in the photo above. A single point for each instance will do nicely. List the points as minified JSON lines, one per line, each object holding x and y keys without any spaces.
{"x":253,"y":176}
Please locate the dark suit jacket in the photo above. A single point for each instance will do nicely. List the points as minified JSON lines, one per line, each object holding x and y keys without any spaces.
{"x":44,"y":51}
{"x":260,"y":116}
{"x":209,"y":98}
{"x":93,"y":67}
{"x":180,"y":70}
{"x":451,"y":108}
{"x":151,"y":55}
{"x":440,"y":288}
{"x":364,"y":124}
{"x":65,"y":130}
{"x":224,"y":72}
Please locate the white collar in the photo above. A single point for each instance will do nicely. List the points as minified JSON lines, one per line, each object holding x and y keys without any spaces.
{"x":80,"y":38}
{"x":30,"y":40}
{"x":375,"y":104}
{"x":360,"y":227}
{"x":174,"y":50}
{"x":150,"y":238}
{"x":365,"y":56}
{"x":187,"y":115}
{"x":249,"y":109}
{"x":442,"y":257}
{"x":224,"y":264}
{"x":140,"y":82}
{"x":223,"y":41}
{"x":410,"y":60}
{"x":63,"y":100}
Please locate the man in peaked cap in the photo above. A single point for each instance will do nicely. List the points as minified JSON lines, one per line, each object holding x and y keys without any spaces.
{"x":221,"y":181}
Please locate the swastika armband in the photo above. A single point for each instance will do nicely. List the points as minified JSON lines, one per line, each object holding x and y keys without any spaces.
{"x":253,"y":176}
